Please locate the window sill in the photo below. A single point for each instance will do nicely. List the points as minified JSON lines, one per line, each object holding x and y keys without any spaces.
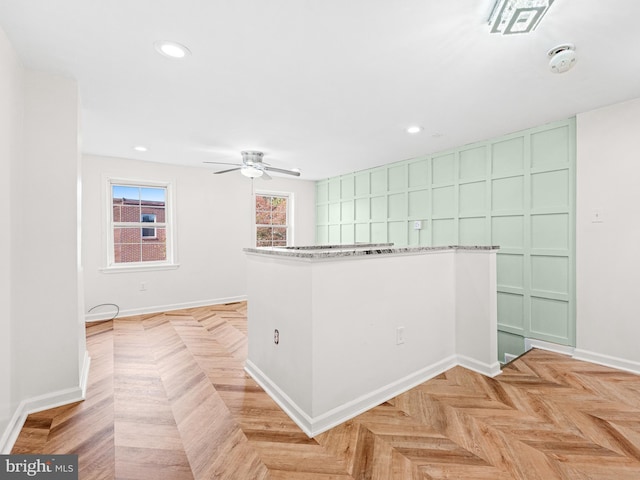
{"x":139,"y":268}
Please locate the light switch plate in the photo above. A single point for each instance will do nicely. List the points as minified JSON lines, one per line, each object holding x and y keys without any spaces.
{"x":597,"y":217}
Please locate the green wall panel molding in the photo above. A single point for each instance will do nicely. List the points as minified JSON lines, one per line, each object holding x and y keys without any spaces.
{"x":347,"y":187}
{"x":334,"y":190}
{"x":397,"y":177}
{"x":443,"y":202}
{"x":397,"y":233}
{"x":516,"y":191}
{"x":473,"y":163}
{"x":443,"y":169}
{"x":347,"y":234}
{"x":378,"y":232}
{"x":473,"y":231}
{"x":419,"y":204}
{"x":550,"y":147}
{"x":418,"y":173}
{"x":508,"y":232}
{"x":379,"y":208}
{"x":551,"y":232}
{"x":507,"y":194}
{"x":511,"y":310}
{"x":397,"y":206}
{"x":347,"y":211}
{"x":362,"y":184}
{"x":362,"y":233}
{"x":378,"y":180}
{"x":509,"y":343}
{"x":507,"y":157}
{"x":550,"y":189}
{"x":473,"y":199}
{"x":362,"y":209}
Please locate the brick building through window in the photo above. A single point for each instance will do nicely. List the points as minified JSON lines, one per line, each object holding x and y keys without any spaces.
{"x":133,"y":209}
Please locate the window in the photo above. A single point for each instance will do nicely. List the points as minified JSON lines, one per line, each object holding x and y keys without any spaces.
{"x":132,"y":241}
{"x":148,"y":218}
{"x":272,"y":220}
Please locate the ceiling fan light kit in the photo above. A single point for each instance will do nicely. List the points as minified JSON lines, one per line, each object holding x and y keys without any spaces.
{"x":252,"y":166}
{"x":251,"y":172}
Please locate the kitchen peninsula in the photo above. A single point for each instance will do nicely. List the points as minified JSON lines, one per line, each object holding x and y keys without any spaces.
{"x":337,"y":329}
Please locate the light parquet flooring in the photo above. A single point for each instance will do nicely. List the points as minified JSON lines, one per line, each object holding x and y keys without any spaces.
{"x":168,"y":398}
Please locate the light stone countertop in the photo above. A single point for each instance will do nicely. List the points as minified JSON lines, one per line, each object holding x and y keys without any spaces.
{"x":357,"y":250}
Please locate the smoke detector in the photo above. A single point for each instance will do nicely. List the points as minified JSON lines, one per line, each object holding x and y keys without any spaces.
{"x":562,"y":58}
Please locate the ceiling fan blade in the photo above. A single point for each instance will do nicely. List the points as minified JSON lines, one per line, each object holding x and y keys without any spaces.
{"x":228,"y":170}
{"x":265,"y":175}
{"x":282,"y":170}
{"x":223,"y":163}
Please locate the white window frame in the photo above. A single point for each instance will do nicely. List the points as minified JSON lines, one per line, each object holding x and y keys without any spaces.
{"x":170,"y":205}
{"x":290,"y":201}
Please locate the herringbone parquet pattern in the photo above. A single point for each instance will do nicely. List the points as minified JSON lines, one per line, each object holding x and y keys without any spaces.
{"x":168,"y":398}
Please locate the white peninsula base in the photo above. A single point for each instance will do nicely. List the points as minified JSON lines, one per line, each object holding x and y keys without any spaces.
{"x":357,"y":326}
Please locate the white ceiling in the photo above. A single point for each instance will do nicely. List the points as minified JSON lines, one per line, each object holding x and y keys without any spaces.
{"x":327,"y":86}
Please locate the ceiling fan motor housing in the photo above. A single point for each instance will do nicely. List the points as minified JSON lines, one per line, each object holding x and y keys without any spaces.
{"x":251,"y":157}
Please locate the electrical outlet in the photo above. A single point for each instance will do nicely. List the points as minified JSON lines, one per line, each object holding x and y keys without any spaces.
{"x":417,"y":225}
{"x":143,"y":286}
{"x":399,"y":335}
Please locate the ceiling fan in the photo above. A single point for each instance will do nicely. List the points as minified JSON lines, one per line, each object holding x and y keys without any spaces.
{"x":252,"y":166}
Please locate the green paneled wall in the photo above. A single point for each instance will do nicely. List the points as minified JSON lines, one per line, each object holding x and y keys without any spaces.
{"x":516,"y":191}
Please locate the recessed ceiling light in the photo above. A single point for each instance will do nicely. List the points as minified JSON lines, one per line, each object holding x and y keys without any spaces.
{"x":171,"y":49}
{"x":414,"y":129}
{"x":140,"y":148}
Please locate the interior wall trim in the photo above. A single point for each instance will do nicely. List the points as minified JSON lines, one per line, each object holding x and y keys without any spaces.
{"x":530,"y":343}
{"x":43,"y":402}
{"x":488,"y":370}
{"x":100,"y":316}
{"x":607,"y":361}
{"x":585,"y":355}
{"x":314,"y":425}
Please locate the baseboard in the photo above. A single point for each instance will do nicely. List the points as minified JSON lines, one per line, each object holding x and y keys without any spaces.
{"x":96,"y":317}
{"x":530,"y":343}
{"x":488,"y":370}
{"x":84,"y":374}
{"x":313,"y":426}
{"x":283,"y":400}
{"x":43,"y":402}
{"x":366,"y":402}
{"x":607,"y":361}
{"x":584,"y":355}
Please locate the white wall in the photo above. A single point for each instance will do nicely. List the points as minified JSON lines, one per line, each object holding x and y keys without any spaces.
{"x":476,"y":299}
{"x":47,"y":335}
{"x":608,"y":253}
{"x":213,"y":220}
{"x":42,"y":338}
{"x":10,"y":144}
